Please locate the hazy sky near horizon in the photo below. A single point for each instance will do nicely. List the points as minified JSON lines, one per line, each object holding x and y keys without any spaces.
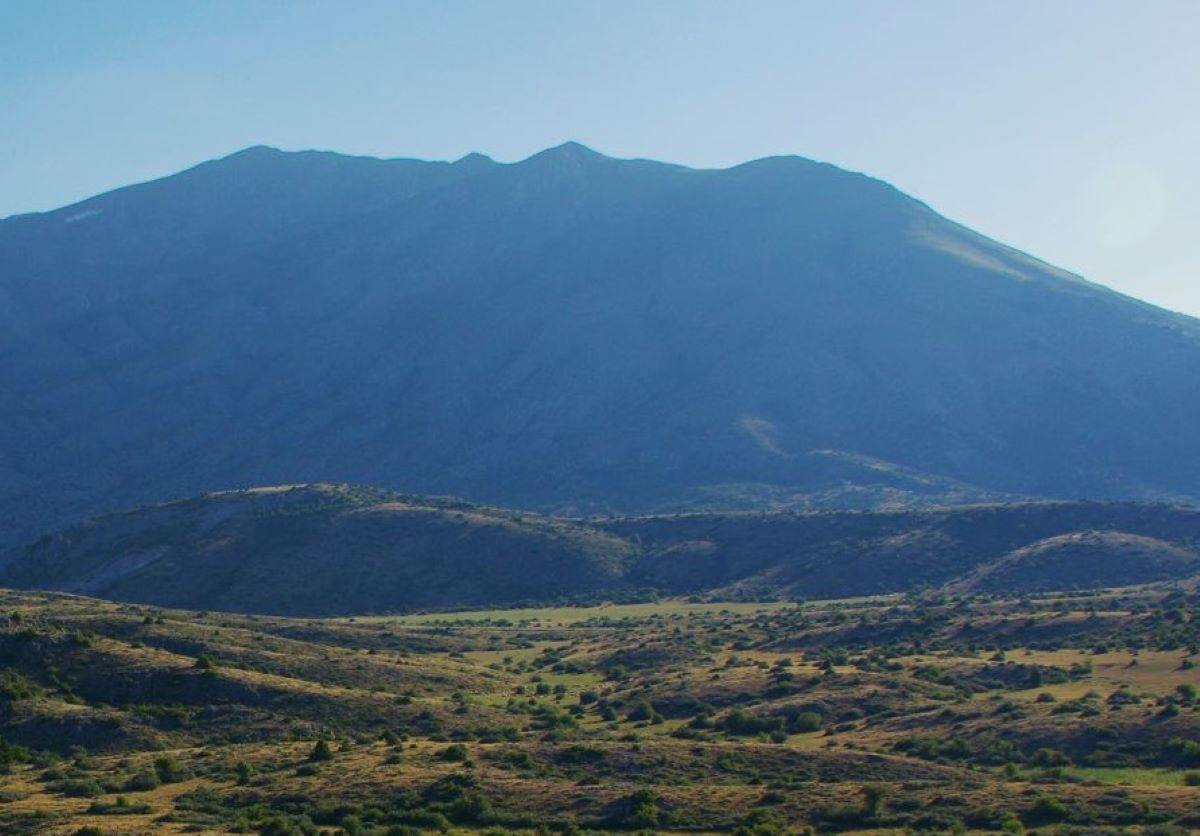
{"x":1069,"y":129}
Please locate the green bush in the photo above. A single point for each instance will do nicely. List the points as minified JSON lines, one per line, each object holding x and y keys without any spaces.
{"x":169,"y":770}
{"x":1046,"y":810}
{"x":77,"y":788}
{"x":642,"y":712}
{"x":805,"y":721}
{"x":142,"y":782}
{"x":455,"y":752}
{"x":742,"y":723}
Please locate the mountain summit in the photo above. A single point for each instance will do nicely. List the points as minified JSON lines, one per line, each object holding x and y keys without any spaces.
{"x":570,"y":332}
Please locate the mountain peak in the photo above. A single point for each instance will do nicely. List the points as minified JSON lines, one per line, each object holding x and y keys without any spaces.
{"x":254,"y":151}
{"x":474,"y":162}
{"x":574,"y":332}
{"x":572,"y":152}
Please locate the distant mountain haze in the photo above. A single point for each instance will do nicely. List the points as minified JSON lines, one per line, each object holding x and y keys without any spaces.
{"x":570,"y":333}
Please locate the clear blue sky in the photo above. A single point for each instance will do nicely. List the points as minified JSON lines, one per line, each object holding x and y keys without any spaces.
{"x":1070,"y":129}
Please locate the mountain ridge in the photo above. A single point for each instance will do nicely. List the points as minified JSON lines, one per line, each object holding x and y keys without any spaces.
{"x":619,"y":340}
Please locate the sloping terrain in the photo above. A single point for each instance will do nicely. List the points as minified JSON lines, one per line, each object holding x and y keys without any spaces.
{"x":338,"y":549}
{"x":572,"y":333}
{"x":322,"y":549}
{"x":833,"y":555}
{"x":1083,"y":560}
{"x":895,"y":714}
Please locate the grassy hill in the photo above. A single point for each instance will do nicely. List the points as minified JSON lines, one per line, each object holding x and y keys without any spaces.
{"x":338,"y":549}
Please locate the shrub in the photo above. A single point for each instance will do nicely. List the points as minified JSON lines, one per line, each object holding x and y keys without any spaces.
{"x":741,"y":722}
{"x":873,"y":795}
{"x":244,"y":773}
{"x":1046,"y":810}
{"x":119,"y":807}
{"x":1050,"y":758}
{"x":455,"y":752}
{"x":77,"y":788}
{"x":10,"y":755}
{"x":805,"y":721}
{"x":320,"y":752}
{"x":169,"y":770}
{"x":142,"y":782}
{"x":279,"y":826}
{"x":642,"y":712}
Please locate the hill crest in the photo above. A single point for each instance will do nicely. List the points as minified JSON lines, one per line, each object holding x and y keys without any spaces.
{"x":324,"y":549}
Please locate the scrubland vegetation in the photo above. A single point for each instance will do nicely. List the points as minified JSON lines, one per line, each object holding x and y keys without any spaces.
{"x":1073,"y":713}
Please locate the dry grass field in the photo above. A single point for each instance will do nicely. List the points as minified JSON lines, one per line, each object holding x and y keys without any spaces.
{"x":1056,"y":713}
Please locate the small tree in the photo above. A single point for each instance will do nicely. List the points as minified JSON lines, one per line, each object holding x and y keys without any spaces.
{"x":873,"y":795}
{"x":320,"y":752}
{"x":169,"y":770}
{"x":642,"y":711}
{"x":455,"y":752}
{"x":244,"y":773}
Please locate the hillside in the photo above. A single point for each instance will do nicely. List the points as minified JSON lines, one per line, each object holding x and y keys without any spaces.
{"x":1083,"y":560}
{"x":571,"y":333}
{"x":336,"y":550}
{"x":832,"y":555}
{"x":324,"y":549}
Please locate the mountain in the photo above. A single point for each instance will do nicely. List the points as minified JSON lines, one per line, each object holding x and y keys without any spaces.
{"x":571,"y":333}
{"x":315,"y":550}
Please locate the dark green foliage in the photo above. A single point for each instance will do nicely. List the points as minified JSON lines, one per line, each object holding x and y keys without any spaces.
{"x":77,"y":788}
{"x":10,"y":755}
{"x":320,"y":752}
{"x":1046,"y":810}
{"x":455,"y":752}
{"x":244,"y":773}
{"x":741,"y":722}
{"x":120,"y":806}
{"x":643,"y":712}
{"x":169,"y":770}
{"x":142,"y":781}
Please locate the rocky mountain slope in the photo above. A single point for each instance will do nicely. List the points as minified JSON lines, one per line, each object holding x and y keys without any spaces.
{"x":571,"y":333}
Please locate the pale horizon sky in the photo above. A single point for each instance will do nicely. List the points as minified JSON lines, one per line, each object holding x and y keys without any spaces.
{"x":1069,"y":130}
